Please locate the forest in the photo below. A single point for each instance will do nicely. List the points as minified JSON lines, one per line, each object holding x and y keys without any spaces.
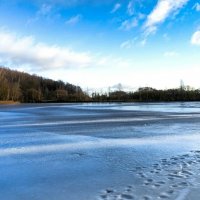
{"x":148,"y":94}
{"x":26,"y":88}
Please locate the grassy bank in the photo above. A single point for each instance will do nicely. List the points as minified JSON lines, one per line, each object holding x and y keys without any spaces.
{"x":9,"y":102}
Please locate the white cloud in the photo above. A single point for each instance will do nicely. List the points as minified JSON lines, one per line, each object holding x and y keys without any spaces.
{"x":134,"y":42}
{"x":195,"y":40}
{"x":141,"y":16}
{"x":27,"y":52}
{"x":44,"y":11}
{"x":143,"y":42}
{"x":161,"y":12}
{"x":116,"y":7}
{"x":197,"y":7}
{"x":171,"y":54}
{"x":150,"y":30}
{"x":121,"y":87}
{"x":70,"y":3}
{"x":127,"y":44}
{"x":129,"y":24}
{"x":74,"y":20}
{"x":130,"y":8}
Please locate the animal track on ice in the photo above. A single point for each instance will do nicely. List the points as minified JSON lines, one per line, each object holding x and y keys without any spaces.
{"x":165,"y":179}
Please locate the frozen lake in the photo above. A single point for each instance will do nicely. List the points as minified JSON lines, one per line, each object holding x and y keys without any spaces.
{"x":100,"y":151}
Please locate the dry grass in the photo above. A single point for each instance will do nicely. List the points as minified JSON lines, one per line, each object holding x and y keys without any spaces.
{"x":8,"y":102}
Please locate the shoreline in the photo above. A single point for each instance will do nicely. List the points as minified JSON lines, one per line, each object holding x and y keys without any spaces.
{"x":9,"y":102}
{"x":85,"y":102}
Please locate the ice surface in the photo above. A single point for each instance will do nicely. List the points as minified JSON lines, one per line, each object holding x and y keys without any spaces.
{"x":100,"y":151}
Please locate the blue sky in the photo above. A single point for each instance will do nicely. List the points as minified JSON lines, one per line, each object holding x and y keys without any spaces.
{"x":100,"y":43}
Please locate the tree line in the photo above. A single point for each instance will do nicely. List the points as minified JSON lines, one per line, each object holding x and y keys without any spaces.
{"x":23,"y":87}
{"x":148,"y":94}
